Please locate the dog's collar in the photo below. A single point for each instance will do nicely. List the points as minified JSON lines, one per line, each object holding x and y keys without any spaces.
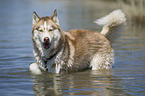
{"x":51,"y":56}
{"x":47,"y":59}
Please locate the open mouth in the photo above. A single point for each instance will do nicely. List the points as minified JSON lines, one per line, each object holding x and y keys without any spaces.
{"x":46,"y":45}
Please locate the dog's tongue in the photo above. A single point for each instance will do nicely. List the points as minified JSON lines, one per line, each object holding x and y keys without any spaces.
{"x":46,"y":45}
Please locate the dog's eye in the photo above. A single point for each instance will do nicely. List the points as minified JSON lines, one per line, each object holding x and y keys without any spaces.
{"x":50,"y":29}
{"x":40,"y":30}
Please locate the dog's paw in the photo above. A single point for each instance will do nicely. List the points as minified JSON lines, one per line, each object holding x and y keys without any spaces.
{"x":34,"y":68}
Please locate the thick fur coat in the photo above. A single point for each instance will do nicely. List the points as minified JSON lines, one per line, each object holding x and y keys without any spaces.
{"x":60,"y":51}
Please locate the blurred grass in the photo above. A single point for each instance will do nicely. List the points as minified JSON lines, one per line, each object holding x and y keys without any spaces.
{"x":135,"y":10}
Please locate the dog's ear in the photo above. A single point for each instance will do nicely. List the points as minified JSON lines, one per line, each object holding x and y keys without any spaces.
{"x":36,"y":18}
{"x":54,"y":17}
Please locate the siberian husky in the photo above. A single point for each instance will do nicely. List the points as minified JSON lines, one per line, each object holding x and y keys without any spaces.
{"x":60,"y":51}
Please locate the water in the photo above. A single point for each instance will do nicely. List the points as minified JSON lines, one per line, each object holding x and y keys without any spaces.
{"x":127,"y":78}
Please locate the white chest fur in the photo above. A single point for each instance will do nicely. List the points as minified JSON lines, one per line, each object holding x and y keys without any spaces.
{"x":53,"y":65}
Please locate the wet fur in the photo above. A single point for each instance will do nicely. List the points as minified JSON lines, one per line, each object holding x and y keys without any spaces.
{"x":73,"y":50}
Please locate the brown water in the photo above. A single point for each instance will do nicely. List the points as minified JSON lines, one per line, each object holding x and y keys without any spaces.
{"x":127,"y":78}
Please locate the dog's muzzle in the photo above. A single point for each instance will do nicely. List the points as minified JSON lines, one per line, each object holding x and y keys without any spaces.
{"x":46,"y":43}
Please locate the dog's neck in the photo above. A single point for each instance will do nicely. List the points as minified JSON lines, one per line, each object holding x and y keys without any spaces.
{"x":57,"y":57}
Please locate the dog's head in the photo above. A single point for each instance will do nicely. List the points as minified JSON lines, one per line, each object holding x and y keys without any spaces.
{"x":46,"y":30}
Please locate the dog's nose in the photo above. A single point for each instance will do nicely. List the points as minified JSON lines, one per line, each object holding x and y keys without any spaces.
{"x":46,"y":39}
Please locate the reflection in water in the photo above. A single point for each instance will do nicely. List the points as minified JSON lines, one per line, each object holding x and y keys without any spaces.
{"x":82,"y":83}
{"x":44,"y":85}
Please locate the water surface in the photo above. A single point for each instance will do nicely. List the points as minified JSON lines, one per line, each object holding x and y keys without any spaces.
{"x":127,"y":78}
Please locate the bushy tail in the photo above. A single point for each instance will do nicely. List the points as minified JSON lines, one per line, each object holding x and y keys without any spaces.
{"x":111,"y":21}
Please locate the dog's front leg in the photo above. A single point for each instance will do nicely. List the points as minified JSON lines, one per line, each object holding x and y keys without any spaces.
{"x":34,"y":67}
